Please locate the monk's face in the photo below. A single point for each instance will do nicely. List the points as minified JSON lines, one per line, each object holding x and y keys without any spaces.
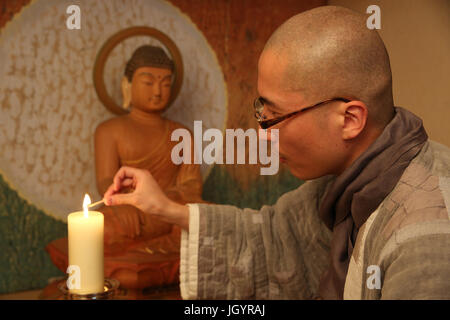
{"x":308,"y":142}
{"x":150,"y":88}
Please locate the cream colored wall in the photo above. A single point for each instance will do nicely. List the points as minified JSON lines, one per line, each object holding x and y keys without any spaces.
{"x":417,"y":36}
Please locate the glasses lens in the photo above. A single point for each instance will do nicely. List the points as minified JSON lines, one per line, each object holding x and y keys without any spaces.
{"x":259,"y":107}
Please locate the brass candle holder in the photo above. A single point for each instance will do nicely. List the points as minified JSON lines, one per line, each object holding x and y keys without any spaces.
{"x":109,"y":289}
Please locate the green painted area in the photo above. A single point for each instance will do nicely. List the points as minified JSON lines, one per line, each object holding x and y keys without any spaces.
{"x":24,"y":233}
{"x":26,"y":230}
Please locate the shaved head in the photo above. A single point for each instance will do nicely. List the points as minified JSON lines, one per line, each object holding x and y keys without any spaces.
{"x":329,"y":52}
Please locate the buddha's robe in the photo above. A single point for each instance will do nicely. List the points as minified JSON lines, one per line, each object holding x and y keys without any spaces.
{"x":150,"y":257}
{"x":182,"y":183}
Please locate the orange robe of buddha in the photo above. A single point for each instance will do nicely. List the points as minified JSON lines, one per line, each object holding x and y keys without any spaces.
{"x":182,"y":183}
{"x":157,"y":245}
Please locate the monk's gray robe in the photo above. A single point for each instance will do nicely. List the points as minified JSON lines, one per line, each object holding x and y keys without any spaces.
{"x":281,"y":251}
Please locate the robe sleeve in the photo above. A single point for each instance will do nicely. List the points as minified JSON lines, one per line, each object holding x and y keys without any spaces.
{"x":278,"y":252}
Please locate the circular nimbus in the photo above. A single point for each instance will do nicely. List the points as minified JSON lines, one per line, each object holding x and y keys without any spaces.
{"x":114,"y":41}
{"x":48,"y":104}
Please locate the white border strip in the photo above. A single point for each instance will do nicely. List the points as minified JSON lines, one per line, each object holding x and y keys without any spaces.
{"x":189,"y":255}
{"x":444,"y":185}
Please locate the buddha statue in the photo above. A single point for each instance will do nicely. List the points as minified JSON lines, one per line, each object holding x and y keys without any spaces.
{"x":141,"y":251}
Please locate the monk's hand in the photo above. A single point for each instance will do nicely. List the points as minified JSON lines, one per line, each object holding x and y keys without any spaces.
{"x":146,"y":195}
{"x":143,"y":192}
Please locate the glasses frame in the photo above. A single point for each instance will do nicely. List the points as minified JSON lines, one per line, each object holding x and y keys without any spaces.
{"x":267,"y":123}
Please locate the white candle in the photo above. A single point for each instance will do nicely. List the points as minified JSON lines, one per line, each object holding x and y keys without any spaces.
{"x":86,"y":249}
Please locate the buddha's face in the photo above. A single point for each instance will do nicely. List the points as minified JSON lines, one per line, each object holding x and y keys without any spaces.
{"x":150,"y":88}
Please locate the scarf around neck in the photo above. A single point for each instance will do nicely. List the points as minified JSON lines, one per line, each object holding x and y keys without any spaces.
{"x":359,"y":190}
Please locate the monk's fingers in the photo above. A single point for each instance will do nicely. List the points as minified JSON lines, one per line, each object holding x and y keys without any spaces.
{"x":109,"y":192}
{"x":120,"y":199}
{"x":123,"y":174}
{"x":128,"y":182}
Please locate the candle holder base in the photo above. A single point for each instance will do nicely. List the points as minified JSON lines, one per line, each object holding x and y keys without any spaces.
{"x":109,"y":289}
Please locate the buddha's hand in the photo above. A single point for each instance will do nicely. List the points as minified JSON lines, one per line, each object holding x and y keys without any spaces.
{"x":146,"y":195}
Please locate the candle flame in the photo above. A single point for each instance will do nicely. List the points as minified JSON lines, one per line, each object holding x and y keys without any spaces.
{"x":86,"y":202}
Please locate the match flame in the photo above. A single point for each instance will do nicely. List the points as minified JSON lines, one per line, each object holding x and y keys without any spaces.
{"x":86,"y":202}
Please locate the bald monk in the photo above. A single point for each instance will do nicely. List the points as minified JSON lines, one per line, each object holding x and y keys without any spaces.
{"x":141,"y":139}
{"x":372,"y":220}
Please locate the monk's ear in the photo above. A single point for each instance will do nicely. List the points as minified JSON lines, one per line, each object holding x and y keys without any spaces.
{"x":355,"y":119}
{"x":126,"y":93}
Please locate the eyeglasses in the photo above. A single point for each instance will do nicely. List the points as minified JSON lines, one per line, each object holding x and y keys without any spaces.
{"x":264,"y":123}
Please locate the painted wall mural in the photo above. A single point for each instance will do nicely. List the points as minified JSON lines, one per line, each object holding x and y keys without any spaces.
{"x":50,"y":108}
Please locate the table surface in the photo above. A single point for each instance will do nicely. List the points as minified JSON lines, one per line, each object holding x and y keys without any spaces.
{"x":51,"y":292}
